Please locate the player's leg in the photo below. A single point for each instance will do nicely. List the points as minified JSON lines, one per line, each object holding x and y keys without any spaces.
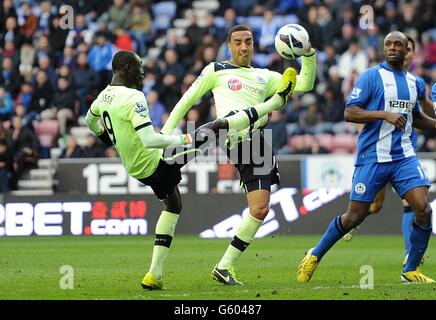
{"x":164,"y":234}
{"x":406,"y":226}
{"x":411,"y":183}
{"x":419,"y":234}
{"x":258,"y":203}
{"x":356,"y":213}
{"x":375,"y":207}
{"x":367,"y":181}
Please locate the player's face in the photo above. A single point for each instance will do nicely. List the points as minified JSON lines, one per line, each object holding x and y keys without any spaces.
{"x":241,"y":48}
{"x":137,"y":74}
{"x":395,"y":49}
{"x":409,"y":56}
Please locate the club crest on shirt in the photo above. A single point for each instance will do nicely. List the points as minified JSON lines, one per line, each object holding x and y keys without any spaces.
{"x":360,"y":188}
{"x":260,"y":79}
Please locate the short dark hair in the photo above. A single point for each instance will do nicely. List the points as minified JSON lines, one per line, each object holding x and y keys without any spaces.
{"x":121,"y":58}
{"x":239,"y":27}
{"x":410,"y":39}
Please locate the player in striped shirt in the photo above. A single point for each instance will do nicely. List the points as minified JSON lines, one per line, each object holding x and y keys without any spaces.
{"x":385,"y":99}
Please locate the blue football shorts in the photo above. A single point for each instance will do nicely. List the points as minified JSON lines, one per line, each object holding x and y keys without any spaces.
{"x":404,"y":175}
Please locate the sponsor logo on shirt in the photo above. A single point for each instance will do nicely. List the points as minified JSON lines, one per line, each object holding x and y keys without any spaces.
{"x":234,"y":84}
{"x":400,"y":106}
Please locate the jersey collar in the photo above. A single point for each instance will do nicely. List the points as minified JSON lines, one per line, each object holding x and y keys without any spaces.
{"x":386,"y":66}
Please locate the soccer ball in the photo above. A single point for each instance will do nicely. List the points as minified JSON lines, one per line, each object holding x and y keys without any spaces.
{"x":291,"y":41}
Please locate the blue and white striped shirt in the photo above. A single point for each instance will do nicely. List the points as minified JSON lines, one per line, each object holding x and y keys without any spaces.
{"x":381,"y":88}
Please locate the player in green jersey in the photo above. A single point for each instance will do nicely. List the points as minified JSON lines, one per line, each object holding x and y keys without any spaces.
{"x":120,"y":116}
{"x":235,"y":85}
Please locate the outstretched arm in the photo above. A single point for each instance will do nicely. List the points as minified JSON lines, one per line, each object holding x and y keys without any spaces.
{"x":307,"y":75}
{"x":151,"y":139}
{"x":201,"y":85}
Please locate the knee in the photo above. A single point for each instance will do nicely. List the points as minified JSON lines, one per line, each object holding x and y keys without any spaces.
{"x":219,"y":124}
{"x":423,"y":213}
{"x":260,"y":212}
{"x":174,"y":207}
{"x":351,"y":220}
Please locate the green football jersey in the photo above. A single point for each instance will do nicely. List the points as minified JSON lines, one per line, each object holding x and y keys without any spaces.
{"x":234,"y":88}
{"x":124,"y":111}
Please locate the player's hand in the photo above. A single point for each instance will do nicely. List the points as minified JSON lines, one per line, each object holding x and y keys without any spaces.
{"x":398,"y":120}
{"x":309,"y":51}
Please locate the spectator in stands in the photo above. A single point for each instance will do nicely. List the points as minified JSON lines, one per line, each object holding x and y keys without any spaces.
{"x":332,"y":107}
{"x":277,"y":124}
{"x":316,"y":148}
{"x":85,"y":83}
{"x":68,"y":57}
{"x":156,"y":109}
{"x":12,"y":33}
{"x":11,"y":52}
{"x":45,"y":65}
{"x":25,"y":148}
{"x":268,"y":31}
{"x":169,"y":91}
{"x":6,"y":166}
{"x":6,"y":10}
{"x":194,"y":32}
{"x":43,"y":49}
{"x":213,"y":29}
{"x":27,"y":57}
{"x":62,"y":105}
{"x":123,"y":40}
{"x":119,"y":15}
{"x":94,"y":148}
{"x":27,"y":21}
{"x":140,"y":27}
{"x":42,"y":93}
{"x":352,"y":59}
{"x":72,"y":150}
{"x":58,"y":37}
{"x":9,"y":77}
{"x":100,"y":58}
{"x":44,"y":17}
{"x":80,"y":33}
{"x":313,"y":28}
{"x":243,"y":8}
{"x":6,"y":105}
{"x":25,"y":95}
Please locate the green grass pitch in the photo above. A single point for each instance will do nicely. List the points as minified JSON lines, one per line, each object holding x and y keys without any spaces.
{"x":113,"y":267}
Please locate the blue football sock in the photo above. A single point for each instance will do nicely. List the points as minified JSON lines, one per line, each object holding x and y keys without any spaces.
{"x":407,"y":227}
{"x":334,"y":232}
{"x":419,"y":237}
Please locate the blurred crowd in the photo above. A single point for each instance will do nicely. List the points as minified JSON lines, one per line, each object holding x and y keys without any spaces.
{"x":50,"y":74}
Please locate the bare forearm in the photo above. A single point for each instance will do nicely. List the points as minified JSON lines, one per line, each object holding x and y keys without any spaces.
{"x":427,"y":107}
{"x":424,"y":122}
{"x":359,"y":115}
